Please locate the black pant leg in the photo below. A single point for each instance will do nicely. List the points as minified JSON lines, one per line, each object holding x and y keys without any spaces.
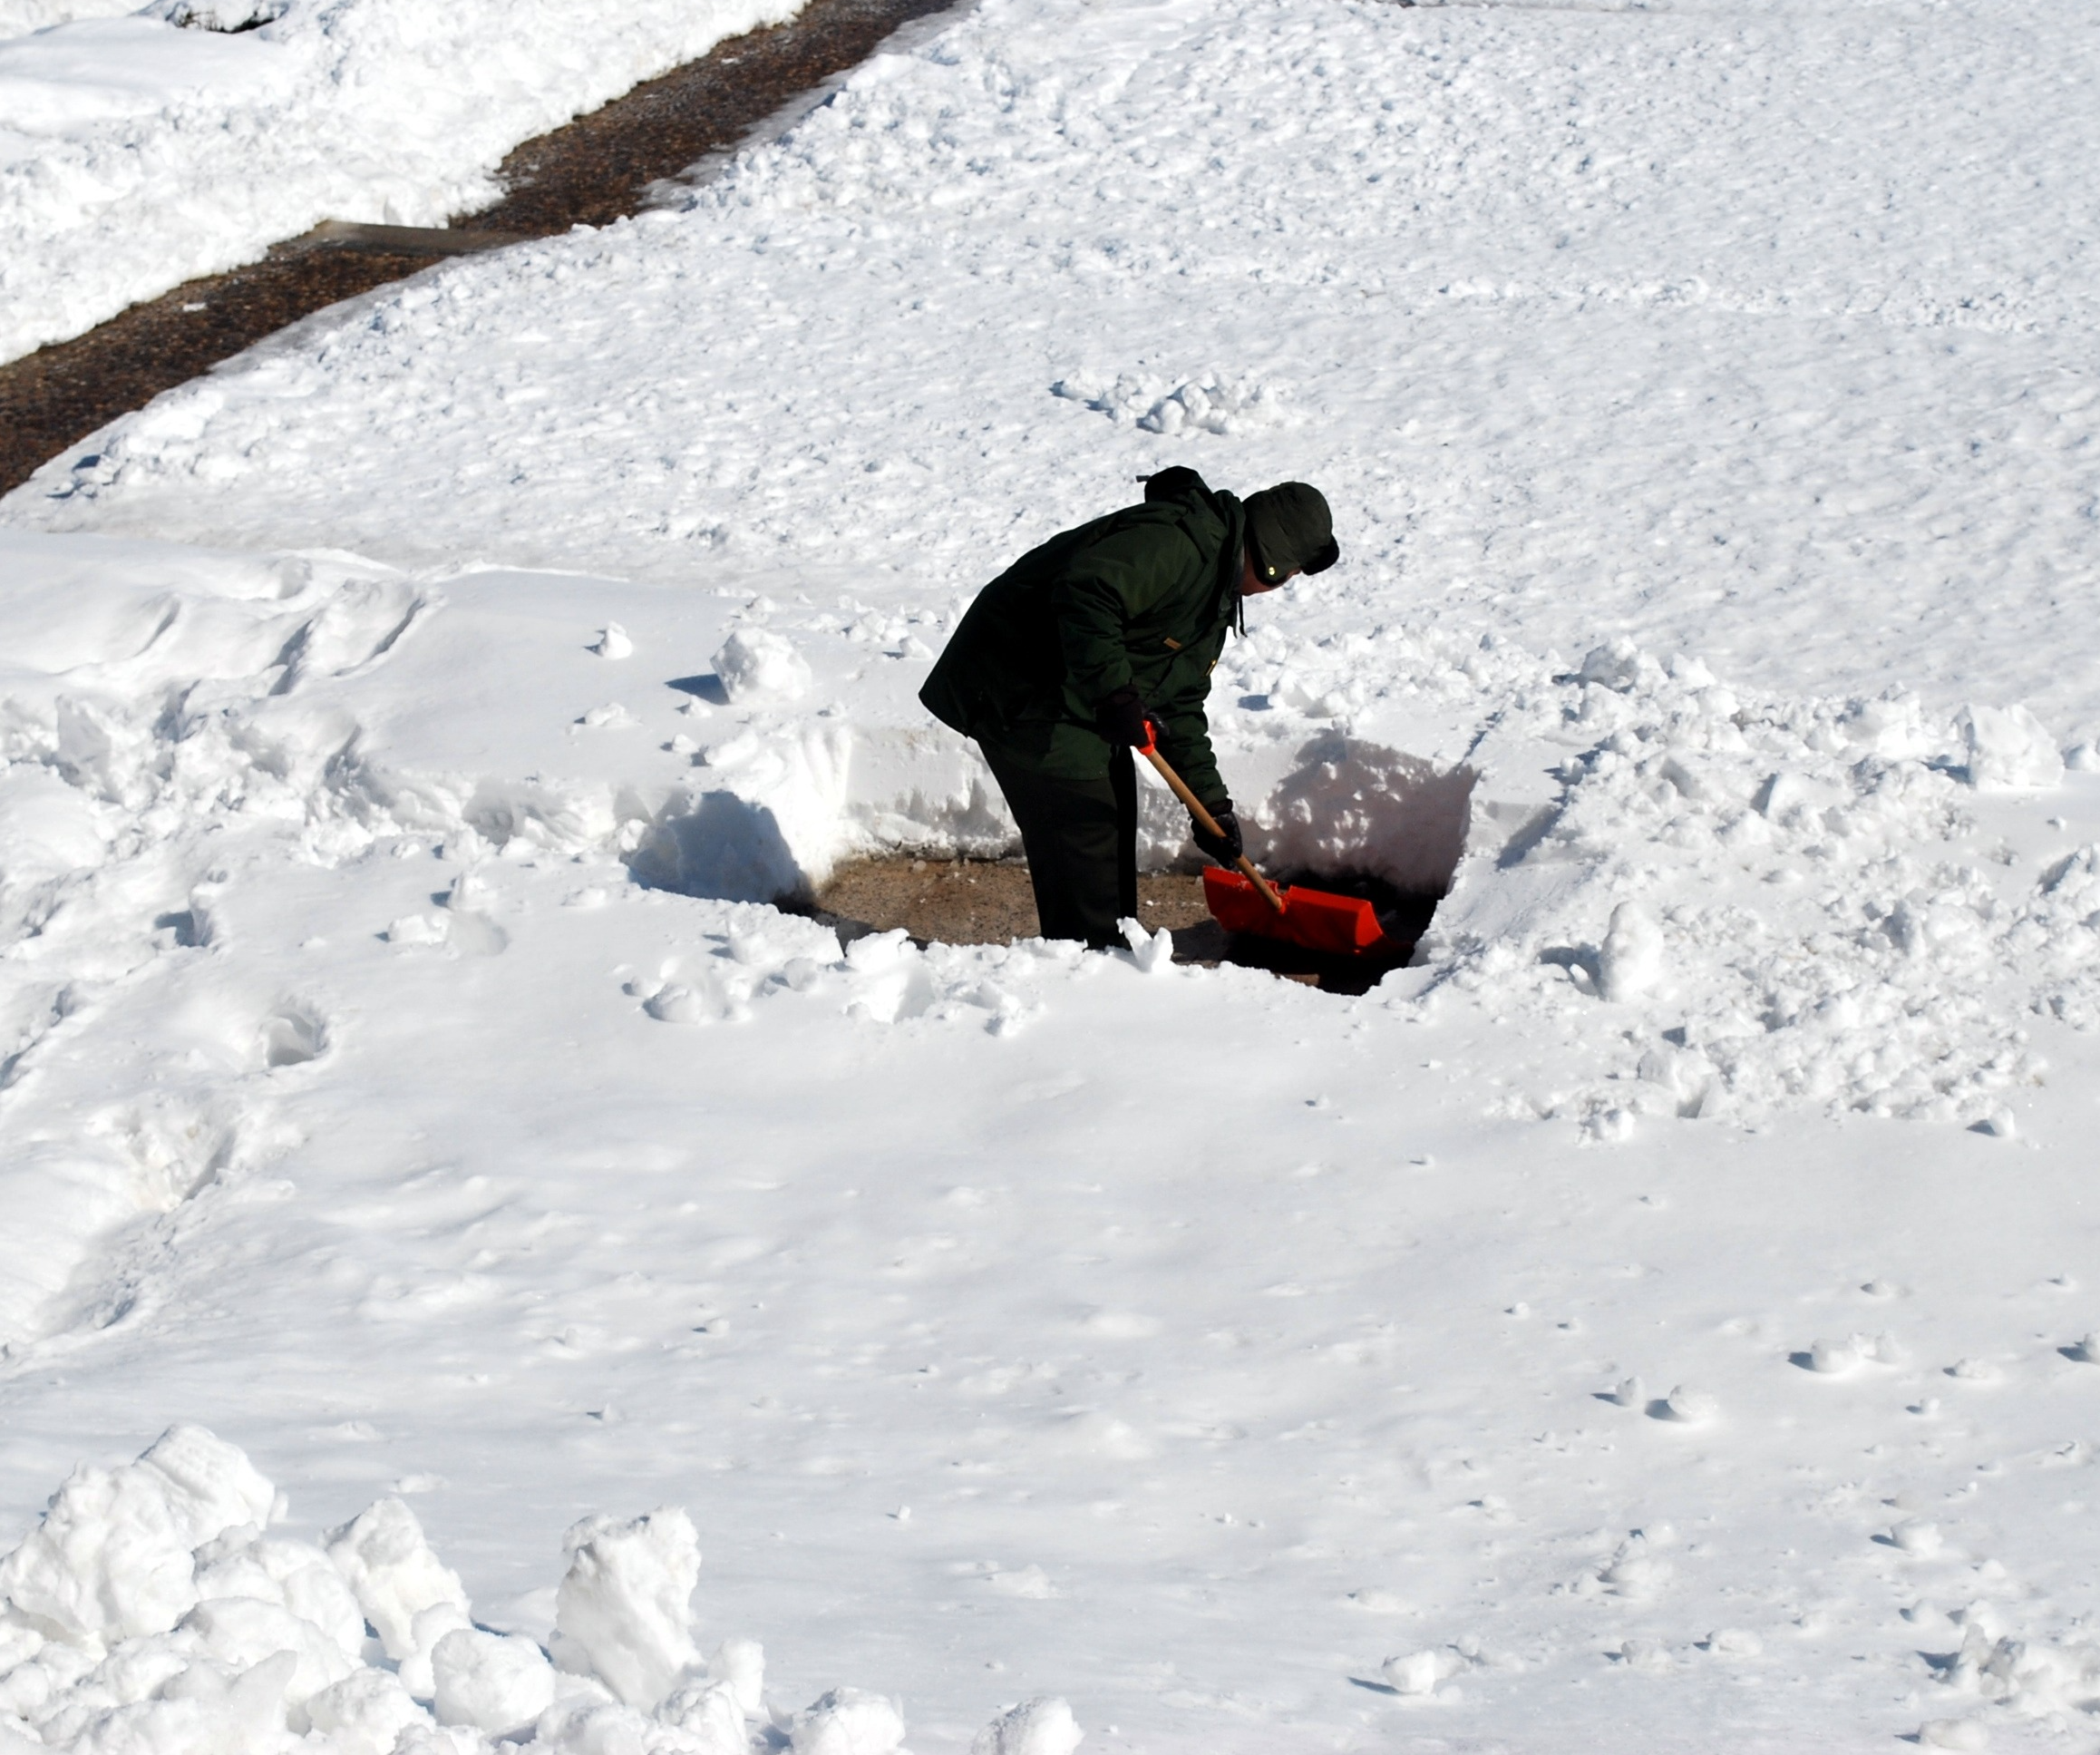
{"x":1081,"y":841}
{"x":1123,"y":783}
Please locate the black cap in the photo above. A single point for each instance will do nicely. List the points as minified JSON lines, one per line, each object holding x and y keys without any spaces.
{"x":1290,"y":530}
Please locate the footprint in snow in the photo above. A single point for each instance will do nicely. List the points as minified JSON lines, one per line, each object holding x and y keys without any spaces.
{"x":291,"y":1035}
{"x":1966,"y":1734}
{"x":1733,"y":1641}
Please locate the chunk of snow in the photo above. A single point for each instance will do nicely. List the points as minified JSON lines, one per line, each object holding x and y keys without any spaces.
{"x":497,"y":1682}
{"x":757,"y":665}
{"x":364,"y":1713}
{"x":1418,"y":1673}
{"x":111,"y":1559}
{"x":1042,"y":1726}
{"x":1630,"y":960}
{"x":1691,"y":1407}
{"x":1832,"y":1358}
{"x":849,"y":1722}
{"x":710,"y":1715}
{"x":411,"y":1597}
{"x":2009,"y":750}
{"x":739,"y":1664}
{"x":1152,"y":953}
{"x":1614,"y":665}
{"x":623,"y":1613}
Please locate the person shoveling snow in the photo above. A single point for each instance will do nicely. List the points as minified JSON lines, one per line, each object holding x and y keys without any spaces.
{"x":1089,"y":646}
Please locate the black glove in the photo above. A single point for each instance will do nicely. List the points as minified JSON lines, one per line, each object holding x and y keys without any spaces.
{"x":1124,"y":718}
{"x":1226,"y":846}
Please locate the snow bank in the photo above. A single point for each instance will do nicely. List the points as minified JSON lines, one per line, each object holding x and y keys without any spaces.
{"x":152,"y":699}
{"x":154,"y":1611}
{"x":138,"y":152}
{"x":1806,"y":902}
{"x":373,"y":701}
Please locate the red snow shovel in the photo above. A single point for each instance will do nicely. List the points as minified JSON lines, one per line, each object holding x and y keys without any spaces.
{"x":1243,"y":900}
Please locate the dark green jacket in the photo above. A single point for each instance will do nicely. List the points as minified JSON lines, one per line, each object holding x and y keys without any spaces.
{"x":1143,"y":596}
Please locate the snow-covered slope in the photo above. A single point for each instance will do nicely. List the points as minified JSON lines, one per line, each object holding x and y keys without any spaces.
{"x":19,"y":17}
{"x":1663,"y":1314}
{"x":139,"y":152}
{"x":1760,"y":334}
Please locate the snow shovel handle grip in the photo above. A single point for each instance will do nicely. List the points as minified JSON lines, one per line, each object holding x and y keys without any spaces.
{"x":1210,"y":824}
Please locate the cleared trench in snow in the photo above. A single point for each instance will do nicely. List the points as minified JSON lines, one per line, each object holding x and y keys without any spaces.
{"x":989,"y":902}
{"x":1343,"y":816}
{"x":882,"y":826}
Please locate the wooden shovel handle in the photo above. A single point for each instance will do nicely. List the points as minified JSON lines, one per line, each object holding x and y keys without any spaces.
{"x":1210,"y":823}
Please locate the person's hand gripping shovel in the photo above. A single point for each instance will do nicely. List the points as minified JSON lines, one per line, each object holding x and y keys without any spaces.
{"x":1243,"y":901}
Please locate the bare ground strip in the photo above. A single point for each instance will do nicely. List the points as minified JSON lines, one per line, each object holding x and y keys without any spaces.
{"x":590,"y":172}
{"x":989,"y":902}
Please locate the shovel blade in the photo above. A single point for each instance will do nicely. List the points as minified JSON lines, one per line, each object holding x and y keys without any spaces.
{"x":1316,"y":919}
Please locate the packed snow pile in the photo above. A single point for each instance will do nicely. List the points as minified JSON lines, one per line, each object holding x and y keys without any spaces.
{"x":139,"y":151}
{"x":1847,"y":903}
{"x":159,"y":1607}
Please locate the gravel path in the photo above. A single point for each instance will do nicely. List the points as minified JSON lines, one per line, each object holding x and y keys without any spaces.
{"x":590,"y":172}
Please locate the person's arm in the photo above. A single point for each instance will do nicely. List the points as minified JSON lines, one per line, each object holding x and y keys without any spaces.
{"x":1184,"y":734}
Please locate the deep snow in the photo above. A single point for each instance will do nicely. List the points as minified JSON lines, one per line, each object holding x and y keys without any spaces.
{"x":143,"y":147}
{"x":1661,"y":1312}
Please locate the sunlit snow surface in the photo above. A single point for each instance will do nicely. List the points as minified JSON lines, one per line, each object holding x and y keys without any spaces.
{"x":139,"y":151}
{"x":1660,"y":1315}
